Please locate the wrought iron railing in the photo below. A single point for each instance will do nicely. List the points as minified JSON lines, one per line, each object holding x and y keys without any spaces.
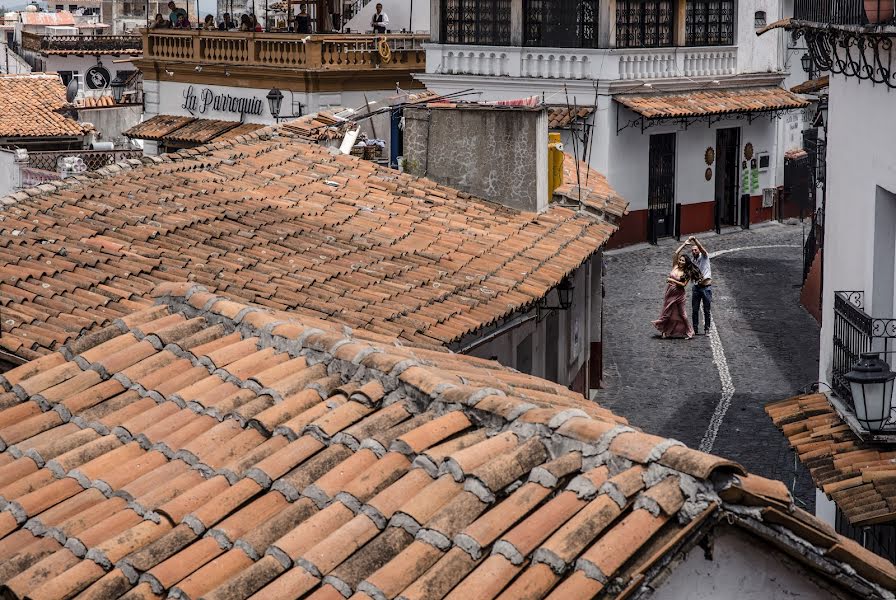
{"x":855,"y":332}
{"x":845,"y":12}
{"x":814,"y":241}
{"x":93,"y":159}
{"x":111,"y":43}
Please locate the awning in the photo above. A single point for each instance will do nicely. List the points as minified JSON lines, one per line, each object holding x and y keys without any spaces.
{"x":189,"y":130}
{"x":710,"y":106}
{"x":812,"y":86}
{"x":561,"y":117}
{"x":782,"y":24}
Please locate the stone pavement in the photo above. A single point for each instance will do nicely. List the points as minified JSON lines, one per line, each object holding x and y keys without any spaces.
{"x":768,"y":342}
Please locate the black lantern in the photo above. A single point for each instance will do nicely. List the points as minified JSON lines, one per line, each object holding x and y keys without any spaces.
{"x":871,"y":383}
{"x":275,"y":101}
{"x":564,"y":292}
{"x":806,"y":60}
{"x":117,"y":86}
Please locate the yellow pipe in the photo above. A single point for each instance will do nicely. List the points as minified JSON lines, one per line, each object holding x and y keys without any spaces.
{"x":555,"y":164}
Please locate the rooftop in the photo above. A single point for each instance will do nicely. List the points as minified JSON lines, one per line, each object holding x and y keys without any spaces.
{"x":858,"y":476}
{"x":273,"y":220}
{"x":712,"y":102}
{"x":189,"y":129}
{"x":203,"y":447}
{"x":29,"y":106}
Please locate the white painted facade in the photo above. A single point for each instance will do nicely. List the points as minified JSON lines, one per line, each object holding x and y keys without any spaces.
{"x":860,"y":216}
{"x":741,"y":568}
{"x":590,"y":77}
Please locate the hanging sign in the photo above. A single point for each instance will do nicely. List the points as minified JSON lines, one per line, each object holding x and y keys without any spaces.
{"x":97,"y":77}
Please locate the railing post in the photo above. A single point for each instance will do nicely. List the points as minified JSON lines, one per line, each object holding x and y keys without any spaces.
{"x":250,"y":49}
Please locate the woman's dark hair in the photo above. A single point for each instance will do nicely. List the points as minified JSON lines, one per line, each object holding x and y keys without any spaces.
{"x":691,"y":270}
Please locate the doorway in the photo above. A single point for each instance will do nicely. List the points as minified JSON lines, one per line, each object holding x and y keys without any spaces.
{"x":727,"y":155}
{"x":661,"y":186}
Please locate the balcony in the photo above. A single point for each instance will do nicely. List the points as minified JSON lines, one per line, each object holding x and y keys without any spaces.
{"x":860,"y":13}
{"x":316,"y":52}
{"x":856,"y":332}
{"x":84,"y":44}
{"x":574,"y":63}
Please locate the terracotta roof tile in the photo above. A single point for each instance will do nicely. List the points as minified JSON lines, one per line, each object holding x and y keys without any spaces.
{"x":560,"y":117}
{"x":388,"y":488}
{"x":29,"y":106}
{"x":715,"y":102}
{"x":856,"y":475}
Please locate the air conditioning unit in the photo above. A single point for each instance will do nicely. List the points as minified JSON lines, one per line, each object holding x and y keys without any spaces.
{"x":769,"y":196}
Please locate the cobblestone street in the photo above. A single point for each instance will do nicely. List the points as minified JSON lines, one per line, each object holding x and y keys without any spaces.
{"x":767,"y":341}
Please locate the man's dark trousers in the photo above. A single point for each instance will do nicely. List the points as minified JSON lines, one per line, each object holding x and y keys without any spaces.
{"x":698,"y":295}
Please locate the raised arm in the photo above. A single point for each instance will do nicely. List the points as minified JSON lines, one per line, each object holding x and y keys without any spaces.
{"x":699,"y":245}
{"x":682,"y":247}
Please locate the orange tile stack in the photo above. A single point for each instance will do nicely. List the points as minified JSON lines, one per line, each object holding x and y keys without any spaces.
{"x":711,"y":102}
{"x":203,"y":447}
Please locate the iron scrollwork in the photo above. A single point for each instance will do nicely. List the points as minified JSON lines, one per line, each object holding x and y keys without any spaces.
{"x":862,"y":54}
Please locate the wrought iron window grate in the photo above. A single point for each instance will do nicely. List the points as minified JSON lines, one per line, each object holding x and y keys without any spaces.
{"x":709,"y":23}
{"x":561,"y":23}
{"x":644,"y":23}
{"x":478,"y":22}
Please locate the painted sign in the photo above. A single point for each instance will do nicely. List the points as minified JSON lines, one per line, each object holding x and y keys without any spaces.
{"x":207,"y":100}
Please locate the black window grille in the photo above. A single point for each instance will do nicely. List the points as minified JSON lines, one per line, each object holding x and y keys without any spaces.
{"x":644,"y":23}
{"x":709,"y":23}
{"x":561,"y":23}
{"x":483,"y":22}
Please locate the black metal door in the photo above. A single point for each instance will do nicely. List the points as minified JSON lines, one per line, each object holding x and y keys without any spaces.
{"x":727,"y":154}
{"x":661,"y":186}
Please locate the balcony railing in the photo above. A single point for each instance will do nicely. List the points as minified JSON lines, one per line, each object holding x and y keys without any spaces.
{"x":48,"y":162}
{"x":845,"y":12}
{"x":73,"y":43}
{"x":569,"y":63}
{"x":287,"y":50}
{"x":855,"y":332}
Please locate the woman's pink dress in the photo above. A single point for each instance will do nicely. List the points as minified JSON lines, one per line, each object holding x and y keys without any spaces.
{"x":673,"y":321}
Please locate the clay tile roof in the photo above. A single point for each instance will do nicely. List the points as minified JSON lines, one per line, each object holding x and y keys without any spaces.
{"x":60,"y":17}
{"x":714,"y":102}
{"x":201,"y":130}
{"x":319,"y":127}
{"x":95,"y":102}
{"x":560,"y":117}
{"x":204,"y":447}
{"x":586,"y":185}
{"x":271,"y":219}
{"x":29,"y":105}
{"x":812,"y":86}
{"x":157,"y":127}
{"x":858,"y":476}
{"x":241,"y":129}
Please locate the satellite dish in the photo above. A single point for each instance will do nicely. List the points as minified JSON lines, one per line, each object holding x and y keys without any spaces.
{"x":71,"y":90}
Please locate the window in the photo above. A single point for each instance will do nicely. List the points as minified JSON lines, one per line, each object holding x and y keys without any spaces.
{"x":709,"y":23}
{"x":60,"y":7}
{"x":561,"y":23}
{"x":759,"y":19}
{"x":484,"y":22}
{"x":643,"y":23}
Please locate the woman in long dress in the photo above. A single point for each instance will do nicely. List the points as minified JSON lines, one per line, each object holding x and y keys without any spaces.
{"x":673,"y":321}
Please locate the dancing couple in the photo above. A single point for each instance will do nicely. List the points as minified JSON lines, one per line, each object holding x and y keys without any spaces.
{"x":694,"y":269}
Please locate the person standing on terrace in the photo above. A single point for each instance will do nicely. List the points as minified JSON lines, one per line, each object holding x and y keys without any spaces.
{"x":227,"y":24}
{"x":176,"y":12}
{"x":380,"y":20}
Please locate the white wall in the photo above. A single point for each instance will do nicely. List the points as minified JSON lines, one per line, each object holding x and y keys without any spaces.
{"x":399,"y":13}
{"x":860,"y":160}
{"x":741,"y":568}
{"x":10,"y":62}
{"x":55,"y":63}
{"x":110,"y":122}
{"x":9,"y":172}
{"x":757,"y":54}
{"x":629,"y":159}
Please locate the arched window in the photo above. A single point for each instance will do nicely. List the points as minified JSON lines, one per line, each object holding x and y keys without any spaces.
{"x":760,"y":19}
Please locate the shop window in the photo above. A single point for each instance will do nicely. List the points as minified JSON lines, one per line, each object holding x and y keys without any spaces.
{"x":710,"y":23}
{"x":485,"y":22}
{"x":644,"y":23}
{"x":561,"y":23}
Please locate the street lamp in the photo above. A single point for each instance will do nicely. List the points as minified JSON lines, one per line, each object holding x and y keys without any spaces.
{"x":806,"y":61}
{"x":564,"y":292}
{"x":117,"y":86}
{"x":275,"y":100}
{"x":871,"y":383}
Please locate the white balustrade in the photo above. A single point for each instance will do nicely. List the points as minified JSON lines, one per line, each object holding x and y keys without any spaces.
{"x":642,"y":64}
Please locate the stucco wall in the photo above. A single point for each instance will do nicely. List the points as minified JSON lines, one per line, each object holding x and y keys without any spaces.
{"x":569,"y":346}
{"x":742,"y":569}
{"x":8,"y":172}
{"x":860,"y":169}
{"x":111,"y":122}
{"x":496,"y":154}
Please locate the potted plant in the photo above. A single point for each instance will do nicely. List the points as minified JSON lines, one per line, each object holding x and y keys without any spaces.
{"x":878,"y":11}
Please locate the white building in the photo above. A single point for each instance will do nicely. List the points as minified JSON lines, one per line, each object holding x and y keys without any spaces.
{"x":683,"y":94}
{"x":851,"y":457}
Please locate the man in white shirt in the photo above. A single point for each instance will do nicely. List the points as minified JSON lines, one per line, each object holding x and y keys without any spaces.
{"x":380,"y":20}
{"x":701,"y":290}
